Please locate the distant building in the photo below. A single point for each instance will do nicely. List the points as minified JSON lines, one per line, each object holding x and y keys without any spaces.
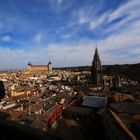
{"x":19,"y":91}
{"x":31,"y":67}
{"x":96,"y":70}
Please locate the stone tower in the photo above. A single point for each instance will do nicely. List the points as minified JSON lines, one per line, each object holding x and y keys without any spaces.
{"x":96,"y":70}
{"x":50,"y":66}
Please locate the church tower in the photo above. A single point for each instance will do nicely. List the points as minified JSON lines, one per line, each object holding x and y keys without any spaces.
{"x":96,"y":70}
{"x":50,"y":66}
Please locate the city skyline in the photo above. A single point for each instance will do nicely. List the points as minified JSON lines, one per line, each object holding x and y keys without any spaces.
{"x":66,"y":32}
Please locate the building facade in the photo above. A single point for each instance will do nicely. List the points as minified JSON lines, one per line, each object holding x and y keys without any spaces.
{"x":31,"y":67}
{"x":96,"y":70}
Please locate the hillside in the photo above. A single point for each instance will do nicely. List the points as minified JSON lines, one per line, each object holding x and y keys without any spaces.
{"x":132,"y":71}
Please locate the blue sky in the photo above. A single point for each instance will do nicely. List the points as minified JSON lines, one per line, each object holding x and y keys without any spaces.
{"x":67,"y":31}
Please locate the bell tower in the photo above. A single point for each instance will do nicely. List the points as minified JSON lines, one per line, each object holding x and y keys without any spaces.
{"x":96,"y":70}
{"x":50,"y":66}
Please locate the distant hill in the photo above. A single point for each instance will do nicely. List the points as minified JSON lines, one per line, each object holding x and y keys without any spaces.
{"x":132,"y":71}
{"x":9,"y":70}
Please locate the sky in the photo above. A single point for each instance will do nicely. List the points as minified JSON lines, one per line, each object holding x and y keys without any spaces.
{"x":67,"y":32}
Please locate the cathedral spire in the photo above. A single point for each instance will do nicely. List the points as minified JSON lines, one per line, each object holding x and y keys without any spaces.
{"x":96,"y":69}
{"x":96,"y":51}
{"x":29,"y":64}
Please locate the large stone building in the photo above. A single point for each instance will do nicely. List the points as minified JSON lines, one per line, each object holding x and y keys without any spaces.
{"x":96,"y":70}
{"x":31,"y":67}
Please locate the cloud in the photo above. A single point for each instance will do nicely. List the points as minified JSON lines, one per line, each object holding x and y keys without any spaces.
{"x":124,"y":15}
{"x":82,"y":20}
{"x":82,"y":17}
{"x":95,"y":23}
{"x":6,"y":38}
{"x":59,"y":1}
{"x":38,"y":37}
{"x":59,"y":54}
{"x":59,"y":6}
{"x":126,"y":39}
{"x":131,"y":7}
{"x":117,"y":49}
{"x":65,"y":36}
{"x":117,"y":32}
{"x":128,"y":13}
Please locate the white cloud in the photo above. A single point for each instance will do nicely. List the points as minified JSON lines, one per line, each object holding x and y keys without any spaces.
{"x":128,"y":11}
{"x":59,"y":1}
{"x":121,"y":46}
{"x":59,"y":6}
{"x":82,"y":20}
{"x":6,"y":38}
{"x":116,"y":49}
{"x":131,"y":7}
{"x":82,"y":16}
{"x":38,"y":37}
{"x":126,"y":39}
{"x":65,"y":36}
{"x":93,"y":24}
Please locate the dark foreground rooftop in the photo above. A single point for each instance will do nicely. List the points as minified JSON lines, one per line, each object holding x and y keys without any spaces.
{"x":13,"y":131}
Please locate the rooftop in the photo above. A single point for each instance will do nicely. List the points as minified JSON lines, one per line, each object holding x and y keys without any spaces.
{"x":126,"y":107}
